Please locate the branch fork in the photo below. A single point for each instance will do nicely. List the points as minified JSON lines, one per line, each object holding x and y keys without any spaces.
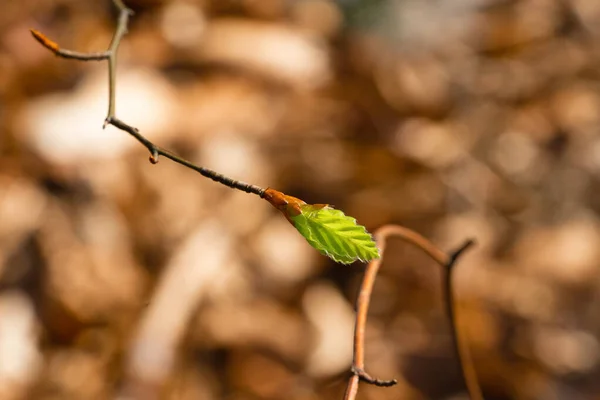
{"x":110,"y":55}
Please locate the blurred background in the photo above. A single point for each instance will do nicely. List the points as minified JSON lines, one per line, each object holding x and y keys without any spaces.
{"x":457,"y":118}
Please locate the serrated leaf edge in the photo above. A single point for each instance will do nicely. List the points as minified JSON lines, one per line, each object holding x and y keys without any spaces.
{"x":319,"y":244}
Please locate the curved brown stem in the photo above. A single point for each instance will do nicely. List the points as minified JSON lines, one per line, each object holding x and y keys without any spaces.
{"x":364,"y":296}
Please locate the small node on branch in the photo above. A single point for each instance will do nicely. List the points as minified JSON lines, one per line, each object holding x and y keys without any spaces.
{"x":153,"y":156}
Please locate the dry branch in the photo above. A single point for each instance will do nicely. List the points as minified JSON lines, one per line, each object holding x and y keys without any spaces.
{"x":111,"y":56}
{"x":447,"y":261}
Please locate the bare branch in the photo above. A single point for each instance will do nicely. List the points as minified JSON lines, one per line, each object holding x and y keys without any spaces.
{"x":460,"y":344}
{"x":111,"y":56}
{"x":364,"y":297}
{"x":75,"y":55}
{"x":124,"y":14}
{"x":155,"y":151}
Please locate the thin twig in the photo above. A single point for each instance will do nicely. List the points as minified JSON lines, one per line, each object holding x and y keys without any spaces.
{"x":74,"y":55}
{"x":459,"y":341}
{"x":124,"y":14}
{"x":111,"y":56}
{"x":364,"y":296}
{"x":155,"y":151}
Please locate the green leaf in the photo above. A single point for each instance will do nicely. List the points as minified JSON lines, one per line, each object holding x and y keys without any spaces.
{"x":335,"y":234}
